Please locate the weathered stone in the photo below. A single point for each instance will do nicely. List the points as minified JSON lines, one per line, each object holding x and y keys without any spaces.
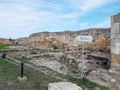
{"x":10,"y":83}
{"x":113,"y":80}
{"x":22,"y":79}
{"x":111,"y":71}
{"x":23,"y":41}
{"x":116,"y":58}
{"x":4,"y":41}
{"x":115,"y":38}
{"x":101,"y":38}
{"x":105,"y":77}
{"x":63,"y":86}
{"x":54,"y":65}
{"x":118,"y":86}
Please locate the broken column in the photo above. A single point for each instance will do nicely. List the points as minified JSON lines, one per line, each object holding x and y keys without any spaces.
{"x":115,"y":38}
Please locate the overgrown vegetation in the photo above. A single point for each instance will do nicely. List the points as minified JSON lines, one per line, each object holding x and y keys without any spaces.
{"x":70,"y":63}
{"x":3,"y":47}
{"x":88,"y":72}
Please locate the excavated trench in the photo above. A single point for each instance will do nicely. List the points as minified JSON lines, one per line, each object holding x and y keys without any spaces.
{"x":102,"y":62}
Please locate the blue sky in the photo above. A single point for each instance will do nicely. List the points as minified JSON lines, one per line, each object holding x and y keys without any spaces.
{"x":20,"y":18}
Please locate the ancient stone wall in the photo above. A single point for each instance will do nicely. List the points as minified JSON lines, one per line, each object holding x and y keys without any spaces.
{"x":47,"y":40}
{"x":4,"y":41}
{"x":22,"y":41}
{"x":115,"y":38}
{"x":101,"y":38}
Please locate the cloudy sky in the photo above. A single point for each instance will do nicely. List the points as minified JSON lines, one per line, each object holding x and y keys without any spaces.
{"x":20,"y":18}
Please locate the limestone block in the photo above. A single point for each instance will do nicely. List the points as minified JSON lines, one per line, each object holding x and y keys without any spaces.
{"x":116,"y":58}
{"x":63,"y":86}
{"x":113,"y":80}
{"x":117,"y":44}
{"x":115,"y":27}
{"x":115,"y":50}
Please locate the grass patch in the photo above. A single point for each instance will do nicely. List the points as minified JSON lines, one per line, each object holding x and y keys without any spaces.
{"x":22,"y":59}
{"x":36,"y":80}
{"x":85,"y":83}
{"x":3,"y":47}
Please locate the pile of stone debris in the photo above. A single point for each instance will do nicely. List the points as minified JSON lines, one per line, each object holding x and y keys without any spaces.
{"x":109,"y":78}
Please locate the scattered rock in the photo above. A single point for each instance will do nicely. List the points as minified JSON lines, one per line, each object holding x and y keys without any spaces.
{"x":113,"y":80}
{"x":105,"y":77}
{"x":102,"y":70}
{"x":118,"y":86}
{"x":54,"y":65}
{"x":10,"y":83}
{"x":111,"y":71}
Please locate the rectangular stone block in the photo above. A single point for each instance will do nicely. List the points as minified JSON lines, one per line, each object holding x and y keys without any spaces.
{"x":115,"y":28}
{"x":116,"y":58}
{"x":115,"y":36}
{"x":63,"y":86}
{"x":117,"y":44}
{"x":115,"y":50}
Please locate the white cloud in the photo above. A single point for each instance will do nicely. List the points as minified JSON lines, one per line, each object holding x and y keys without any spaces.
{"x":93,"y":4}
{"x":87,"y":5}
{"x":22,"y":17}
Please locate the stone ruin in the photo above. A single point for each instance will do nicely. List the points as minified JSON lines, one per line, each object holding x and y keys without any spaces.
{"x":115,"y":38}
